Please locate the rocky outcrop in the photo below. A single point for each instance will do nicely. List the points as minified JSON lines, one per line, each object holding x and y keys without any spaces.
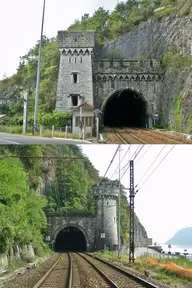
{"x":141,"y":238}
{"x":24,"y":252}
{"x":151,"y":40}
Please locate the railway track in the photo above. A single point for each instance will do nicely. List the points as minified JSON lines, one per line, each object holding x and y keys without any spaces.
{"x":59,"y":275}
{"x":82,"y":270}
{"x":156,"y":137}
{"x":128,"y":137}
{"x":141,"y":136}
{"x":118,"y":276}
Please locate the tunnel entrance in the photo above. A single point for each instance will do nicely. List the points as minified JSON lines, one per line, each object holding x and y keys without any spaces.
{"x":125,"y":108}
{"x":70,"y":239}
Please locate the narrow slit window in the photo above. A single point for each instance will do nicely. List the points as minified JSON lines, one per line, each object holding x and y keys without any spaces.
{"x":74,"y":100}
{"x":69,"y":59}
{"x":81,"y":60}
{"x":75,"y":60}
{"x":75,"y":78}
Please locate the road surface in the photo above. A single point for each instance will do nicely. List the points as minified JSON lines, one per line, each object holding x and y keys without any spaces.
{"x":6,"y":139}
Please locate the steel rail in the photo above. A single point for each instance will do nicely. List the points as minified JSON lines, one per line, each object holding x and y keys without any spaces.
{"x":124,"y":272}
{"x":106,"y":278}
{"x":48,"y":273}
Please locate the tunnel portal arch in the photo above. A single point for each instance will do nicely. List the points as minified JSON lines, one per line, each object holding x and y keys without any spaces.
{"x":71,"y":237}
{"x":125,"y":107}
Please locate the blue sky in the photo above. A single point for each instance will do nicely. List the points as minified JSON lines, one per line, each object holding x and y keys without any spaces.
{"x":163,"y":203}
{"x":20,"y":22}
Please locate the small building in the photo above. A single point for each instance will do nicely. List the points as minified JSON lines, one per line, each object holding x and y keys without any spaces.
{"x":82,"y":117}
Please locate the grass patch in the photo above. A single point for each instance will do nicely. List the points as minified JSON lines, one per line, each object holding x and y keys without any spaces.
{"x":159,"y":273}
{"x":162,"y":273}
{"x":113,"y":257}
{"x":11,"y":129}
{"x":45,"y":133}
{"x":161,"y":277}
{"x":177,"y":113}
{"x":16,"y":264}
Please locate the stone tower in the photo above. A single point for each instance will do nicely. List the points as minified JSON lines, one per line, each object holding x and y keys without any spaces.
{"x":106,"y":216}
{"x":75,"y":79}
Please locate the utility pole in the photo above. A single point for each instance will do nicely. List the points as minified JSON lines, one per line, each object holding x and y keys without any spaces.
{"x":131,"y":196}
{"x":119,"y":210}
{"x":38,"y":74}
{"x":102,"y":224}
{"x":25,"y":112}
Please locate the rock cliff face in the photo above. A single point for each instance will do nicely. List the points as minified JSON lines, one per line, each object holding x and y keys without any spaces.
{"x":152,"y":40}
{"x":154,"y":37}
{"x":141,"y":238}
{"x":24,"y":252}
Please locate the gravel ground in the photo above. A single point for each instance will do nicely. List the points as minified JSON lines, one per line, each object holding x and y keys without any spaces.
{"x":59,"y":275}
{"x":29,"y":277}
{"x":84,"y":275}
{"x":117,"y":277}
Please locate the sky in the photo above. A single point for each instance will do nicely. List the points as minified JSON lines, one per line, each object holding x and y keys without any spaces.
{"x":163,"y":203}
{"x":20,"y":22}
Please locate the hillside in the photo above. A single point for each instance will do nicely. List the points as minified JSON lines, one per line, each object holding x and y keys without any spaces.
{"x":182,"y":238}
{"x":31,"y":188}
{"x":128,"y":31}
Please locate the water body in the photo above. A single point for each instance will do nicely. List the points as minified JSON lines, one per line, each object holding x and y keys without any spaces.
{"x":180,"y":249}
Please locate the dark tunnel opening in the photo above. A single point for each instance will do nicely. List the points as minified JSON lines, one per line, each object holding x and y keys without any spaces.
{"x":70,"y":239}
{"x":125,"y":108}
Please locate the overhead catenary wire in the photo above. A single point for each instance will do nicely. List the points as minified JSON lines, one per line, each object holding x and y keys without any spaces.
{"x":143,"y":154}
{"x":128,"y":149}
{"x":136,"y":153}
{"x":156,"y":168}
{"x":110,"y":164}
{"x":151,"y":165}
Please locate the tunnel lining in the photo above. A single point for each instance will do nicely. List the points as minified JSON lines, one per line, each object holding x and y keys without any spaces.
{"x":136,"y":102}
{"x":58,"y":234}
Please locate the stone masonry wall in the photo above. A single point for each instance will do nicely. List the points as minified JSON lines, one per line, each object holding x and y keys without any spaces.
{"x":76,"y":54}
{"x":85,"y":224}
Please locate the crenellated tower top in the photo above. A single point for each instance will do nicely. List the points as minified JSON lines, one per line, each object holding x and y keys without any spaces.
{"x":76,"y":39}
{"x":106,"y":190}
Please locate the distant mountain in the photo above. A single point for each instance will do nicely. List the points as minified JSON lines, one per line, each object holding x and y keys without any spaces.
{"x":182,"y":238}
